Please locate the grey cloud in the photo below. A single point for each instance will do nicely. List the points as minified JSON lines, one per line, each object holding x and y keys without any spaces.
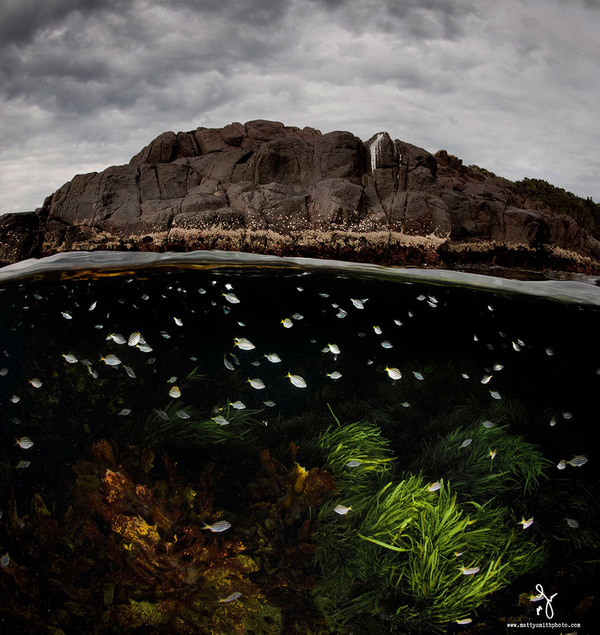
{"x":417,"y":19}
{"x":80,"y":71}
{"x":20,"y":20}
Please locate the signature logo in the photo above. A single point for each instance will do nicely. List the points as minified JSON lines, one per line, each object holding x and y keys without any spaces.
{"x":549,"y":611}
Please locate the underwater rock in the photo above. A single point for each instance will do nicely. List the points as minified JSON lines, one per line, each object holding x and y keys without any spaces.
{"x":269,"y":188}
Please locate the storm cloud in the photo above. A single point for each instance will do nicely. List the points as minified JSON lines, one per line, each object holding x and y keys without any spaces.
{"x":510,"y":86}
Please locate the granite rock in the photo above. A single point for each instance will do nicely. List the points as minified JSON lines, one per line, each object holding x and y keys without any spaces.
{"x":263,"y":176}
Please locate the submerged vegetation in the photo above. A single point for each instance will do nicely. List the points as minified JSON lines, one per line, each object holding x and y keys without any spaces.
{"x":367,"y":459}
{"x":408,"y":553}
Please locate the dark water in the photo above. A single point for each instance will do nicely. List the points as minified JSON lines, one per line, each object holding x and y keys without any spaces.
{"x":105,"y":516}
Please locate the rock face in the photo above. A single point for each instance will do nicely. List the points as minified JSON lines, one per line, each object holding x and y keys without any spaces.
{"x":281,"y":183}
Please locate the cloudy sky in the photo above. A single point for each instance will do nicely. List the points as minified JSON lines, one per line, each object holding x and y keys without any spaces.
{"x":510,"y":85}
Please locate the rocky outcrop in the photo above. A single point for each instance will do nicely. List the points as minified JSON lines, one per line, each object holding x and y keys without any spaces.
{"x":20,"y":237}
{"x":276,"y":185}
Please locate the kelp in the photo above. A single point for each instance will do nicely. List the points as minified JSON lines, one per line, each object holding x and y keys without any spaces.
{"x":134,"y":549}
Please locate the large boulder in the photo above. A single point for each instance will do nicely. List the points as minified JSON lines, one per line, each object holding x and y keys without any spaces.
{"x":263,"y":176}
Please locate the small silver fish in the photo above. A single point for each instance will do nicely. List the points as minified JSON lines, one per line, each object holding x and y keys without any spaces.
{"x":526,"y":523}
{"x":4,"y":560}
{"x":353,"y":463}
{"x":230,"y":598}
{"x":172,"y":379}
{"x":562,"y":464}
{"x":287,"y":323}
{"x":4,"y":371}
{"x":567,"y":415}
{"x":464,"y":621}
{"x":231,"y":298}
{"x":464,"y":375}
{"x":129,"y":371}
{"x":66,"y":315}
{"x":377,"y":330}
{"x":387,"y":344}
{"x":243,"y":343}
{"x":495,"y":394}
{"x":572,"y":523}
{"x":333,"y":348}
{"x":466,"y":442}
{"x":238,"y":405}
{"x":162,"y":414}
{"x":549,"y":352}
{"x":270,"y":403}
{"x":342,"y":510}
{"x":485,"y":379}
{"x":341,"y":314}
{"x":175,"y":392}
{"x":228,"y":365}
{"x":297,"y":316}
{"x":394,"y":373}
{"x":297,"y":380}
{"x":418,"y":375}
{"x":434,"y":487}
{"x":578,"y":461}
{"x":23,"y":465}
{"x":258,"y":384}
{"x":469,"y":570}
{"x":273,"y":358}
{"x":117,"y":338}
{"x":145,"y":348}
{"x":497,"y":366}
{"x":110,"y":360}
{"x":178,"y":321}
{"x":334,"y":375}
{"x":220,"y":419}
{"x":359,"y":304}
{"x":69,"y":357}
{"x":15,"y":399}
{"x":124,"y":412}
{"x":182,"y":414}
{"x":24,"y":443}
{"x":488,"y":424}
{"x":134,"y":338}
{"x":218,"y":527}
{"x":35,"y":382}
